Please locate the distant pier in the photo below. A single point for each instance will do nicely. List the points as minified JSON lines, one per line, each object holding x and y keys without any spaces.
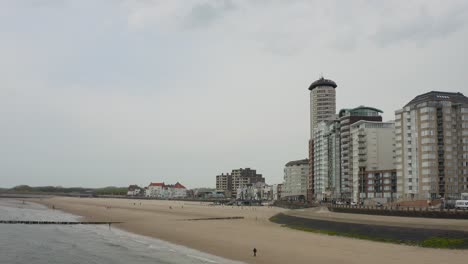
{"x":55,"y":222}
{"x":215,"y":218}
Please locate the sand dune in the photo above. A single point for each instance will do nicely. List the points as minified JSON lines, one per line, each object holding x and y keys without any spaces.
{"x":235,"y":239}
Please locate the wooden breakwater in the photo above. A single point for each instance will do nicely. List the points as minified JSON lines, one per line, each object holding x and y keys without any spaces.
{"x":55,"y":222}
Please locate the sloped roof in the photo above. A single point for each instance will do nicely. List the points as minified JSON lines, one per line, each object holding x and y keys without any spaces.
{"x":180,"y":186}
{"x":162,"y":184}
{"x":439,"y":96}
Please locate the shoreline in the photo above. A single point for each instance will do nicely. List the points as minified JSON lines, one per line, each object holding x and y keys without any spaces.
{"x":95,"y":242}
{"x":234,"y":239}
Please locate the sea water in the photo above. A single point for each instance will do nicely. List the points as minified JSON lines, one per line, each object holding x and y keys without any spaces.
{"x":41,"y":244}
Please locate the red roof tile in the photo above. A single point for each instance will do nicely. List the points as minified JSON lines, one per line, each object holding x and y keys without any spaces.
{"x":180,"y":186}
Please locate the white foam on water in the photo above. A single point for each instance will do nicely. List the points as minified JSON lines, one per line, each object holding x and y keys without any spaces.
{"x":203,"y":259}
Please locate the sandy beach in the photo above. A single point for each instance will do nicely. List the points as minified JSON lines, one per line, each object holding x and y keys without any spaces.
{"x":234,"y":239}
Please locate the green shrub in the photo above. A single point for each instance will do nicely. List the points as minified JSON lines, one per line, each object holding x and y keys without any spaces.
{"x":442,"y":242}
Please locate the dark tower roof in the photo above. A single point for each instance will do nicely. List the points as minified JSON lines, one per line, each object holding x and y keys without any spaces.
{"x":439,"y":96}
{"x":322,"y":82}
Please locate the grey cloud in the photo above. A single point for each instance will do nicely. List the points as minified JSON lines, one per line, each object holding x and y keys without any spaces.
{"x":422,"y":29}
{"x":204,"y":14}
{"x":345,"y":41}
{"x":45,"y":3}
{"x":95,"y":106}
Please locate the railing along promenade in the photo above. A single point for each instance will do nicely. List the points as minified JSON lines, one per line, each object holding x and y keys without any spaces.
{"x":401,"y":211}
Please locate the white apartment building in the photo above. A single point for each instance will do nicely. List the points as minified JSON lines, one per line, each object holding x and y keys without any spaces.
{"x":371,"y":149}
{"x":347,"y":117}
{"x":295,"y":180}
{"x":334,"y":164}
{"x":327,"y":167}
{"x":321,"y":176}
{"x":431,"y":134}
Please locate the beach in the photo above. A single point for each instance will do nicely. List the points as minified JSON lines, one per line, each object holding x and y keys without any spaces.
{"x":185,"y":223}
{"x":57,"y":243}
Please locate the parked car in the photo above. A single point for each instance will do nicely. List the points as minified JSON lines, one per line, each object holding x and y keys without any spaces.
{"x":354,"y":204}
{"x":461,"y":204}
{"x":378,"y":204}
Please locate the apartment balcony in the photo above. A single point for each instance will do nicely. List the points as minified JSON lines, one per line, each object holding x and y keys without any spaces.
{"x":346,"y":133}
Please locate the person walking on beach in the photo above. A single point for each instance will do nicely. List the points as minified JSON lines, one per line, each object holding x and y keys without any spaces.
{"x":255,"y":252}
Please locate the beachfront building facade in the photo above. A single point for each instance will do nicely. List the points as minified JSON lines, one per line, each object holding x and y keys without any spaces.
{"x":135,"y":190}
{"x":322,"y":109}
{"x":377,"y":186}
{"x":277,"y":190}
{"x":267,"y":192}
{"x":166,"y":191}
{"x":224,"y":184}
{"x":432,"y":146}
{"x":295,"y":180}
{"x":258,"y":191}
{"x":321,"y":161}
{"x":154,"y":190}
{"x":347,"y":117}
{"x":242,"y":177}
{"x":372,"y":165}
{"x":238,"y":178}
{"x":332,"y":138}
{"x":207,"y":193}
{"x":327,"y":181}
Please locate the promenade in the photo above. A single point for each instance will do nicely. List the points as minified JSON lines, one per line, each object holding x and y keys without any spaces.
{"x":322,"y":213}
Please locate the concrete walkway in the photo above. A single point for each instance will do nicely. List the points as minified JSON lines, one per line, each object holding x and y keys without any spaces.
{"x":322,"y":213}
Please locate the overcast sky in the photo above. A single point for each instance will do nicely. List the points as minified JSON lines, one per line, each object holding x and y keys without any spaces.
{"x":106,"y":92}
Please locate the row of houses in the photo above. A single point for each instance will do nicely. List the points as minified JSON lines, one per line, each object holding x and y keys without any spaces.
{"x":159,"y":190}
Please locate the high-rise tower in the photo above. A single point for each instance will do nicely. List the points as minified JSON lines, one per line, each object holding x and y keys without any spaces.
{"x":322,"y":108}
{"x":322,"y":102}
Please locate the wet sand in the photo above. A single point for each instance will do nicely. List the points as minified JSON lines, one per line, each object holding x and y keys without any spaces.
{"x":235,"y":238}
